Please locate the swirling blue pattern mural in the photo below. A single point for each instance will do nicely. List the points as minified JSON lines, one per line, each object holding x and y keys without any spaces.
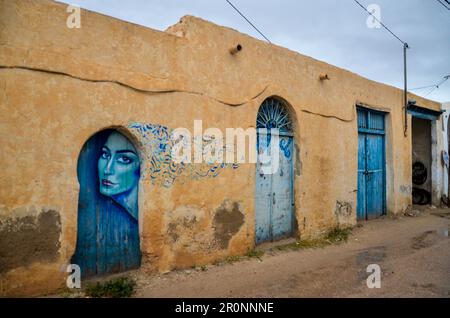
{"x":160,"y":168}
{"x":285,"y":146}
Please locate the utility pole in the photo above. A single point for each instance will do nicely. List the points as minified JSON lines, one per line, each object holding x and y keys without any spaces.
{"x":405,"y":93}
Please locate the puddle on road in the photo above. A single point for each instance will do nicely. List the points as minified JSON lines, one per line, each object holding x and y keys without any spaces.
{"x":373,"y":255}
{"x":429,"y":238}
{"x":443,"y":232}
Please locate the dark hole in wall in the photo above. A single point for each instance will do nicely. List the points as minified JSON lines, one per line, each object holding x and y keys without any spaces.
{"x":227,"y":222}
{"x":29,"y":239}
{"x":421,"y":158}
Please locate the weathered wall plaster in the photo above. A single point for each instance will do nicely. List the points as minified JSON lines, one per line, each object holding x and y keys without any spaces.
{"x":59,"y":86}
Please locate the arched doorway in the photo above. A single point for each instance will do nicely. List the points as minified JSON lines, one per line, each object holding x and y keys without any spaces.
{"x":274,"y":198}
{"x":108,"y":231}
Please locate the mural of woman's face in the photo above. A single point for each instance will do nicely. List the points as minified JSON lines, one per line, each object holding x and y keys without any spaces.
{"x":118,"y":166}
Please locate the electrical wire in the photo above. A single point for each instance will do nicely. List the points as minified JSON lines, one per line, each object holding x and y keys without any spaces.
{"x":446,"y":77}
{"x":403,"y":42}
{"x":422,"y":87}
{"x":437,"y":85}
{"x":432,"y":87}
{"x":242,"y":15}
{"x":443,"y":4}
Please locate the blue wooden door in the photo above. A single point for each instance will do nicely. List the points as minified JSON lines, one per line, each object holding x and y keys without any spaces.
{"x":371,"y":165}
{"x":282,"y":191}
{"x":361,"y":194}
{"x":108,"y":231}
{"x":274,"y":208}
{"x":263,"y":196}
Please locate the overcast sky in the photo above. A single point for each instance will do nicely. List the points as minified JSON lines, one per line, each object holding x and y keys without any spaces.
{"x":334,"y":31}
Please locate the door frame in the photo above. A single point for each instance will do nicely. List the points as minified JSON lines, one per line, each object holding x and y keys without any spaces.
{"x":368,"y":131}
{"x":291,"y":183}
{"x":292,"y":134}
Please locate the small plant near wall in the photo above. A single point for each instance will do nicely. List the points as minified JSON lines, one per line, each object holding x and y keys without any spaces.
{"x":121,"y":287}
{"x":255,"y":254}
{"x":336,"y":235}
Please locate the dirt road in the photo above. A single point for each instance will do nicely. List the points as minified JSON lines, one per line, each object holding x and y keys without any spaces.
{"x":413,"y":254}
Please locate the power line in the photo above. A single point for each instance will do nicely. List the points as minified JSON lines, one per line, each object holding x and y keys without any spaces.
{"x":437,"y":85}
{"x":242,"y":15}
{"x":447,"y":2}
{"x":443,"y":4}
{"x":405,"y":47}
{"x":422,"y":87}
{"x":403,"y":42}
{"x":434,"y":85}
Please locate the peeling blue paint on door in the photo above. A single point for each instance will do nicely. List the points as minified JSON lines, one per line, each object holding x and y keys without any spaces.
{"x":263,"y":199}
{"x":371,"y":164}
{"x":282,"y":194}
{"x":274,"y":208}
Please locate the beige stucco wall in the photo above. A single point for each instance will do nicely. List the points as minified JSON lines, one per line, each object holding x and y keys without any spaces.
{"x":59,"y":86}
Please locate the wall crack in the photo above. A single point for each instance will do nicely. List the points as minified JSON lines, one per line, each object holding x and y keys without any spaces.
{"x":140,"y":90}
{"x":168,"y":91}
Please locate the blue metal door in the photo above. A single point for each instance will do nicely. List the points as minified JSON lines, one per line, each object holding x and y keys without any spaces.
{"x":371,"y":165}
{"x":274,"y":208}
{"x":108,"y":231}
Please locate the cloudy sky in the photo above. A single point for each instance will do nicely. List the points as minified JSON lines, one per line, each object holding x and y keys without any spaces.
{"x":334,"y":31}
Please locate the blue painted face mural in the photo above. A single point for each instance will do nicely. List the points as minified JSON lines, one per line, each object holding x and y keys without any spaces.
{"x":118,"y":171}
{"x":108,"y":226}
{"x":108,"y":171}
